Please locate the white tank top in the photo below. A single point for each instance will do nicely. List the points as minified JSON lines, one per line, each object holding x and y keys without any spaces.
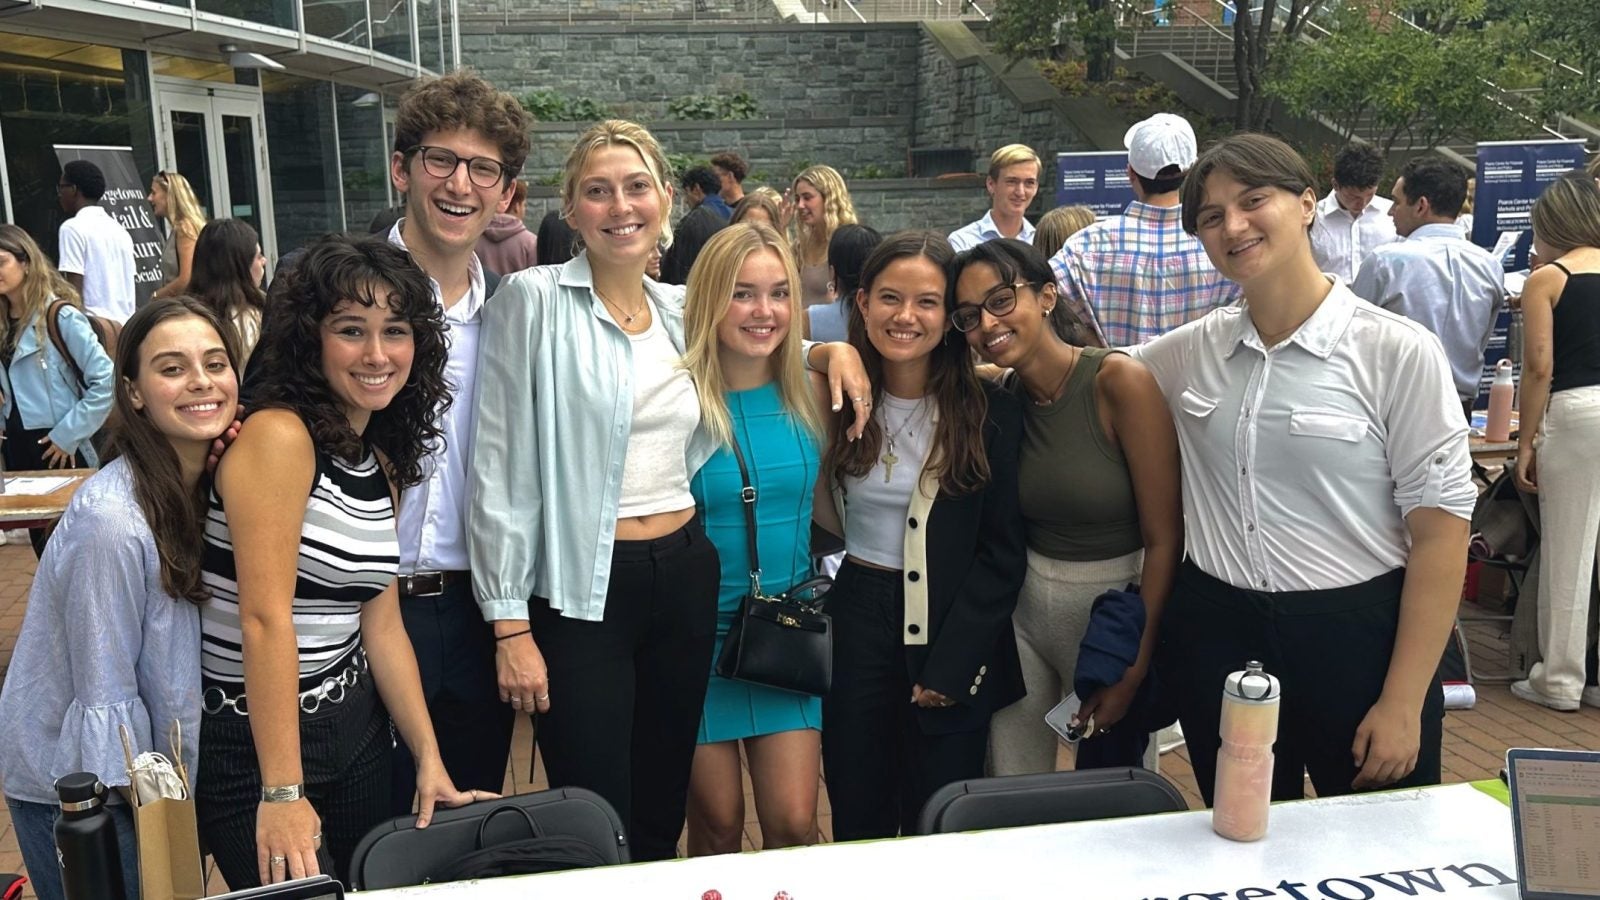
{"x":876,"y":504}
{"x":666,"y":411}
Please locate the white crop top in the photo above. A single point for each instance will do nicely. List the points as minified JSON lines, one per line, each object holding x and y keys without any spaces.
{"x":666,"y":411}
{"x":876,"y":505}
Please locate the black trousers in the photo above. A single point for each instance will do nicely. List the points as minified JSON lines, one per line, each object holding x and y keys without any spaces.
{"x":455,"y":656}
{"x":1330,"y":651}
{"x":879,"y":765}
{"x":626,"y":692}
{"x":344,"y":753}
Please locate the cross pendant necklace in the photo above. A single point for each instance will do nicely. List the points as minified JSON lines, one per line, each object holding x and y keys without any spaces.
{"x":889,"y":458}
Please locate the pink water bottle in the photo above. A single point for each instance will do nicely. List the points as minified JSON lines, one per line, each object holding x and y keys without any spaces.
{"x":1501,"y":394}
{"x":1243,"y":790}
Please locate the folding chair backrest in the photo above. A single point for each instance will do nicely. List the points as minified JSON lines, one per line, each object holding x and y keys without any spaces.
{"x":397,"y":854}
{"x":1016,"y":800}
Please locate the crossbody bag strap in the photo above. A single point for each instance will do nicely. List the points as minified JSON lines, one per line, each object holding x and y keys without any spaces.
{"x":747,"y":499}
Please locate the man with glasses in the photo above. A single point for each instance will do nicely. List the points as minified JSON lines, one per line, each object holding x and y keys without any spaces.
{"x":459,"y":145}
{"x":96,"y":252}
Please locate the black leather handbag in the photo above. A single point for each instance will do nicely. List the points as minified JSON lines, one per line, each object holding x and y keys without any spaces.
{"x":783,"y":641}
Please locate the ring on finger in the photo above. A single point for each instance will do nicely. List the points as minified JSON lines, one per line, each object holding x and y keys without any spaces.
{"x":541,"y":699}
{"x":316,"y":841}
{"x":279,"y":860}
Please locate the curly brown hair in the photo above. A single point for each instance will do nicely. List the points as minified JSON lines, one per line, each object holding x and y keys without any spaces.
{"x":463,"y":99}
{"x":342,"y":268}
{"x":957,"y":456}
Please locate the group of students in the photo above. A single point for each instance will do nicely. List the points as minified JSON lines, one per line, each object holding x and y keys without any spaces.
{"x":1286,"y":480}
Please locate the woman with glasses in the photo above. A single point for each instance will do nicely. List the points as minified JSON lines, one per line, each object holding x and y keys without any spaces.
{"x":1099,"y":493}
{"x":926,"y":501}
{"x":171,"y":198}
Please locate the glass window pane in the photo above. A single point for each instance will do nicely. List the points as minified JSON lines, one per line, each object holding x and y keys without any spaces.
{"x":305,"y":172}
{"x":364,"y":153}
{"x":391,"y":28}
{"x":430,"y":34}
{"x":43,"y":104}
{"x":279,"y":13}
{"x":239,"y":155}
{"x":340,"y":20}
{"x":191,"y":148}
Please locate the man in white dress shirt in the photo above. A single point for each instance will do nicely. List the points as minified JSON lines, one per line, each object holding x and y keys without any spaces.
{"x":1013,"y":181}
{"x":1352,"y":221}
{"x":96,"y":253}
{"x":1436,"y":277}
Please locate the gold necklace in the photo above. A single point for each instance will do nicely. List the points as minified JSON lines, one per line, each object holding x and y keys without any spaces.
{"x":889,"y":459}
{"x":1060,"y":384}
{"x":626,"y":319}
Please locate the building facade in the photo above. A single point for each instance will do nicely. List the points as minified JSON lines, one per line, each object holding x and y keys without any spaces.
{"x":278,"y":112}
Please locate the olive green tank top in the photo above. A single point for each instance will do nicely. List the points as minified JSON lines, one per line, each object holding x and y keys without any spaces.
{"x":1077,"y":495}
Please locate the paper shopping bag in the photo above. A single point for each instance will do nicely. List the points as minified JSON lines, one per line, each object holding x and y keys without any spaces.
{"x":164,"y":817}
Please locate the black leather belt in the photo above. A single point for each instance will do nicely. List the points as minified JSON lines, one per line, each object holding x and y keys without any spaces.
{"x":432,"y":584}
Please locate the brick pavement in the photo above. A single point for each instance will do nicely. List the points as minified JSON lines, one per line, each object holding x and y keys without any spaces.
{"x":1475,"y":740}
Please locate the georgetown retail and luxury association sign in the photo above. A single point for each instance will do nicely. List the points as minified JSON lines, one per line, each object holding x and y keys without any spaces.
{"x":125,"y":200}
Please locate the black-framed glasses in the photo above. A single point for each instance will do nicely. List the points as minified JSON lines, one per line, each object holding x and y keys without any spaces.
{"x":442,"y":162}
{"x":999,"y":301}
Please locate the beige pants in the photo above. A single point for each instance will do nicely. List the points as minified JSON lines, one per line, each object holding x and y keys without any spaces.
{"x":1569,"y":514}
{"x":1052,"y":614}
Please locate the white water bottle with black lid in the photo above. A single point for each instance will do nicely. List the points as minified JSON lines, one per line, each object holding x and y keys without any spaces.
{"x":1243,"y":791}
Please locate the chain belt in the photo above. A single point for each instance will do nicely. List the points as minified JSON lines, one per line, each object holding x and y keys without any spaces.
{"x":333,"y":689}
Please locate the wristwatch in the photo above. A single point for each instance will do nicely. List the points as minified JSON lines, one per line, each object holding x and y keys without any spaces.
{"x":288,"y":793}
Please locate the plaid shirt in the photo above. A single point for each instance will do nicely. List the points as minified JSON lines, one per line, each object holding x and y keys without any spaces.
{"x":1142,"y":273}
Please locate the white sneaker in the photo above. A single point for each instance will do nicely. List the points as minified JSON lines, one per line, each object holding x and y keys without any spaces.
{"x":1524,"y":690}
{"x":1591,"y":696}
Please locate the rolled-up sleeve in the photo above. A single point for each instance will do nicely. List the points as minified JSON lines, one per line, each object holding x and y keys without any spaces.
{"x":1427,"y":437}
{"x":504,"y":524}
{"x":1068,"y":270}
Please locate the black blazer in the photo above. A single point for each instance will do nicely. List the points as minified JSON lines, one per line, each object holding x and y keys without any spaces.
{"x":974,"y":550}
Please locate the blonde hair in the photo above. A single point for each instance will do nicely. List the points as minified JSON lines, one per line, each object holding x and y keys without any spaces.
{"x":763,"y":198}
{"x":1012,"y":154}
{"x":710,"y":293}
{"x":617,"y":133}
{"x":1059,"y":224}
{"x":40,"y":285}
{"x":183,"y":207}
{"x":836,"y":210}
{"x":1567,"y":215}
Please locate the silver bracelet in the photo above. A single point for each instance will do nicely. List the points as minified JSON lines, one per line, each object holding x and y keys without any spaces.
{"x":805,"y":356}
{"x":288,"y":793}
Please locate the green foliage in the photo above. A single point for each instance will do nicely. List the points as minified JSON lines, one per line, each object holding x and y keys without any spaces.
{"x":683,"y":162}
{"x":1032,"y":29}
{"x":549,"y":106}
{"x":1565,"y":31}
{"x":872,"y":171}
{"x":1378,"y":75}
{"x":713,"y":107}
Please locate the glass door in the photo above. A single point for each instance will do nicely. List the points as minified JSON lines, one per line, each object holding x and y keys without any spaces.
{"x":215,"y":136}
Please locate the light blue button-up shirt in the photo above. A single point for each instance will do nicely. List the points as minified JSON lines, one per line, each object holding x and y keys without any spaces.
{"x":974,"y":233}
{"x":554,"y":414}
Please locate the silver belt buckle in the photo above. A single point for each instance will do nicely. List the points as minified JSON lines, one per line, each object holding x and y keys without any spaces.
{"x":422,"y":584}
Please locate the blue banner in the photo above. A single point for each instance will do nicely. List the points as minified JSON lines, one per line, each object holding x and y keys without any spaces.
{"x":1097,"y":180}
{"x":1511,"y":175}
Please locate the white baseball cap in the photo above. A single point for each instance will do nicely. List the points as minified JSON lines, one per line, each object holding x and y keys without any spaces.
{"x":1160,"y":141}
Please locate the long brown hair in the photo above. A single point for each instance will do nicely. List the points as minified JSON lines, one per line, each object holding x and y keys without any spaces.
{"x":957,"y":456}
{"x":39,"y":285}
{"x":175,"y":514}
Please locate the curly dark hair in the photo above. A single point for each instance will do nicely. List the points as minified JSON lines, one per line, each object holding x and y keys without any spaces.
{"x":347,"y":268}
{"x":464,"y":99}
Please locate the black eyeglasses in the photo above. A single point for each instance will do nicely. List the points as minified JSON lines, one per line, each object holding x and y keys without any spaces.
{"x":442,"y":162}
{"x":999,"y":301}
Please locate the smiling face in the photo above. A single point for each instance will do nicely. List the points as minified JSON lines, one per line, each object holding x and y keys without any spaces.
{"x":366,"y":354}
{"x":808,"y":202}
{"x":185,"y":385}
{"x":1248,"y":231}
{"x":757,"y":319}
{"x":158,"y":198}
{"x":903,"y":309}
{"x":1005,"y":340}
{"x":448,"y":214}
{"x":618,"y":206}
{"x":1014,"y":190}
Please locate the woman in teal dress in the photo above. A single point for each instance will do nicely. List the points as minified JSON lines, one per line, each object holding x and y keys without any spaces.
{"x":743,"y":297}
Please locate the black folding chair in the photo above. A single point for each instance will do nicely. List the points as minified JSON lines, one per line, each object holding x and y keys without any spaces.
{"x":1015,"y":800}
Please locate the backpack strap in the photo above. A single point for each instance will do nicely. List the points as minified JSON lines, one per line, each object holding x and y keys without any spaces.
{"x":52,"y":320}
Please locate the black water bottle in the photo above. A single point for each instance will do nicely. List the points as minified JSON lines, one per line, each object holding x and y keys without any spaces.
{"x":86,"y":841}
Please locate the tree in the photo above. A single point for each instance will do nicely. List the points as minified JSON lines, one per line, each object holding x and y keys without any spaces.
{"x":1383,"y":80}
{"x":1258,"y":35}
{"x":1566,"y":31}
{"x":1023,"y":29}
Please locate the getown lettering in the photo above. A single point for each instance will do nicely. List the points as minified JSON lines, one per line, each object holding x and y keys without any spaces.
{"x":1379,"y":885}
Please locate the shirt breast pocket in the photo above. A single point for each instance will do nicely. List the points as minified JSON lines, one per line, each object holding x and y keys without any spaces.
{"x":1325,"y":423}
{"x":1196,"y":406}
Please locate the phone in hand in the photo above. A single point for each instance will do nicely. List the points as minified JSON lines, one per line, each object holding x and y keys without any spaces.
{"x":1061,"y":720}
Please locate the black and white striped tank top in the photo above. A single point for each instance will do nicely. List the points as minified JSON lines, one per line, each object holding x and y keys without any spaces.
{"x":349,"y":552}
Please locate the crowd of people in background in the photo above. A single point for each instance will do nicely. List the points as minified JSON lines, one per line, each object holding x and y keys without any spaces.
{"x":485,"y":472}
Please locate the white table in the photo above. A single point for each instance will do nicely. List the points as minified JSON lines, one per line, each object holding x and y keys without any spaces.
{"x":1348,"y":848}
